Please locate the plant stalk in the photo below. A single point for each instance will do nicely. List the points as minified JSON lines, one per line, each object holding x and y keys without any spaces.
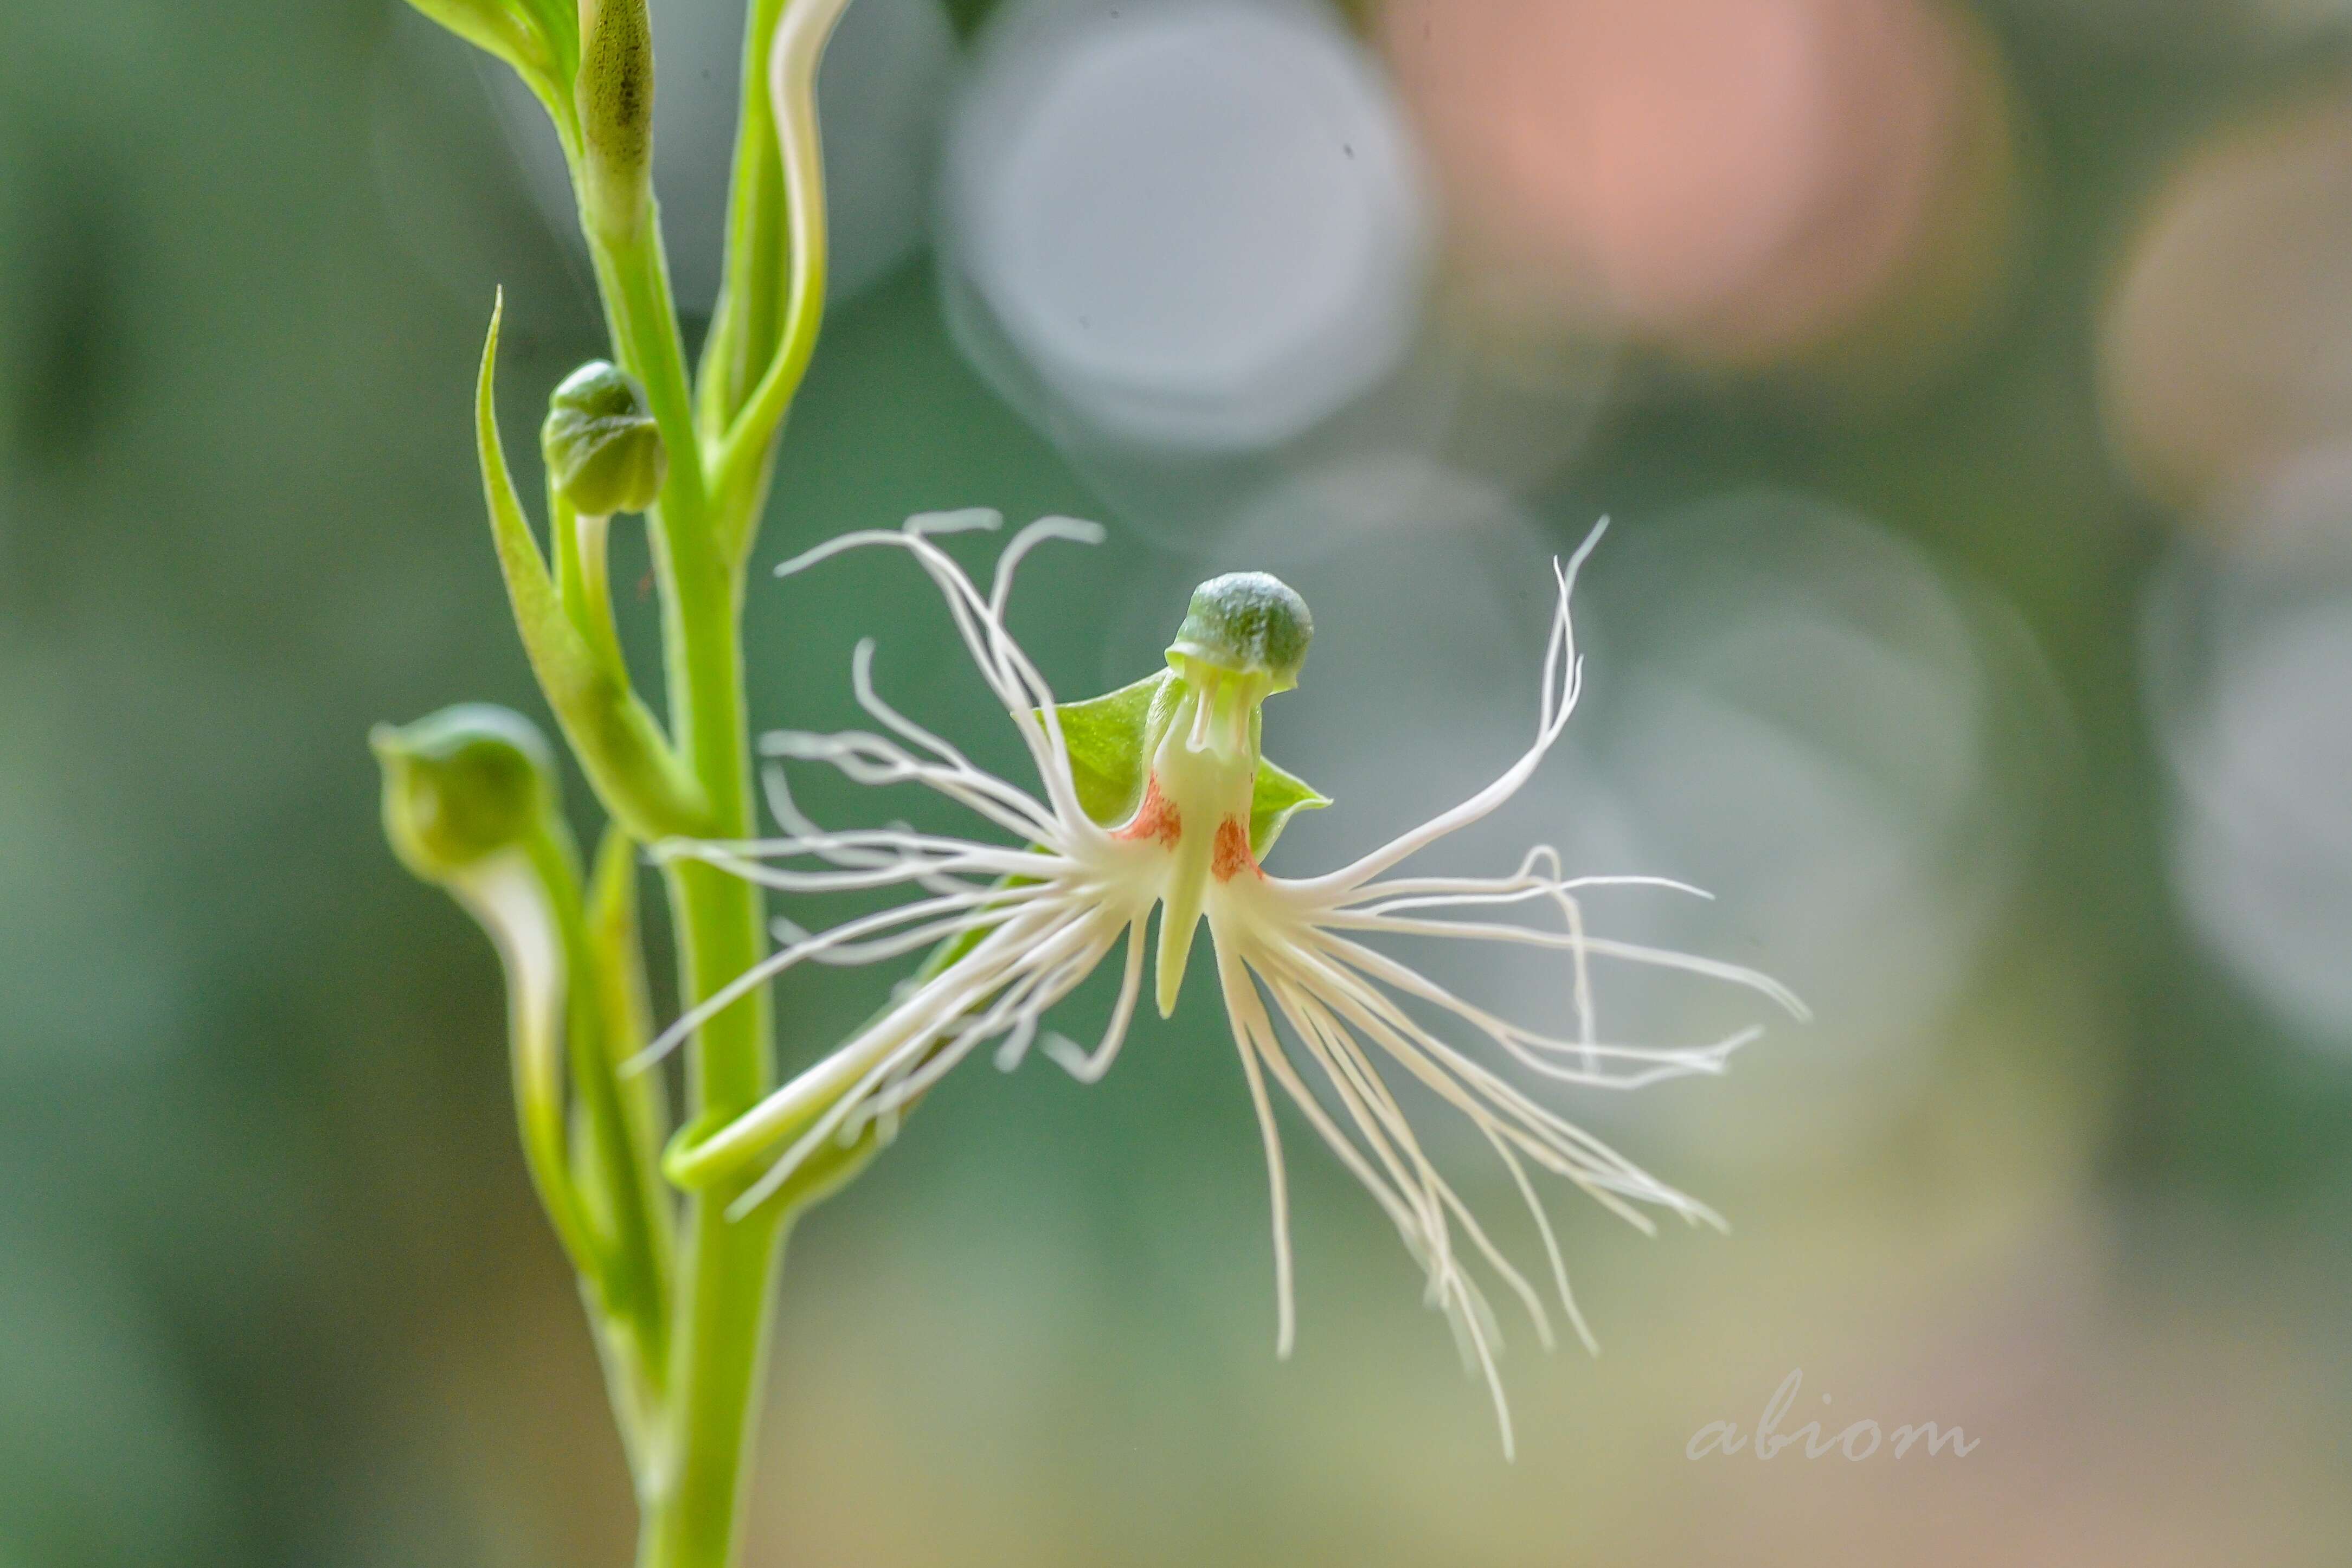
{"x":691,"y":1480}
{"x":691,"y":1493}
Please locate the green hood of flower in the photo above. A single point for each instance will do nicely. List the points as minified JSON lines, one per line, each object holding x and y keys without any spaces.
{"x":1250,"y":627}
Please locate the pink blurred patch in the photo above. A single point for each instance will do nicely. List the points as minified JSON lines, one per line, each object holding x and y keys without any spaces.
{"x":1740,"y":177}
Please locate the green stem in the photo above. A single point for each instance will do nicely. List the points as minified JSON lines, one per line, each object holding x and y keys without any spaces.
{"x":693,"y":1506}
{"x":691,"y":1496}
{"x":691,"y":1483}
{"x":632,"y":274}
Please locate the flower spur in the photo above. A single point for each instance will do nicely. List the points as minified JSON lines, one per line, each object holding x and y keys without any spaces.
{"x":1157,"y":795}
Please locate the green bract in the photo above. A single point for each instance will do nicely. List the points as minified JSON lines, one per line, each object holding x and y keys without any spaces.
{"x":603,"y":451}
{"x":463,"y":785}
{"x":540,"y":38}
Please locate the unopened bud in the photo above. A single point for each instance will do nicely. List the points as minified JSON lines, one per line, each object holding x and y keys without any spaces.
{"x":461,"y":785}
{"x":603,"y":451}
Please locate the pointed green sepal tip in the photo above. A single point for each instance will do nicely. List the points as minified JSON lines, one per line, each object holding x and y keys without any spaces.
{"x":1276,"y":796}
{"x":1247,"y":623}
{"x":604,"y":453}
{"x":462,"y":785}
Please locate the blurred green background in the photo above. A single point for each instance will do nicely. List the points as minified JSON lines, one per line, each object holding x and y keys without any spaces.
{"x":1971,"y":389}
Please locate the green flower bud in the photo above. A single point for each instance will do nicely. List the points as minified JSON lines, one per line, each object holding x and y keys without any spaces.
{"x":615,"y":94}
{"x":461,"y":785}
{"x":1245,"y":624}
{"x":604,"y":453}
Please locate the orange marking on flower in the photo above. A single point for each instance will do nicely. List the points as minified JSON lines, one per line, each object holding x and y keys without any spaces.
{"x":1233,"y":851}
{"x":1157,"y":818}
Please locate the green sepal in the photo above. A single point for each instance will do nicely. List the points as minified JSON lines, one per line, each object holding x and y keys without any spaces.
{"x":1107,"y":737}
{"x":1274,"y":799}
{"x":1109,"y":741}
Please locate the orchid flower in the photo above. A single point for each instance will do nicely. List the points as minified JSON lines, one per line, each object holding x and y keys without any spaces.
{"x":1157,"y":796}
